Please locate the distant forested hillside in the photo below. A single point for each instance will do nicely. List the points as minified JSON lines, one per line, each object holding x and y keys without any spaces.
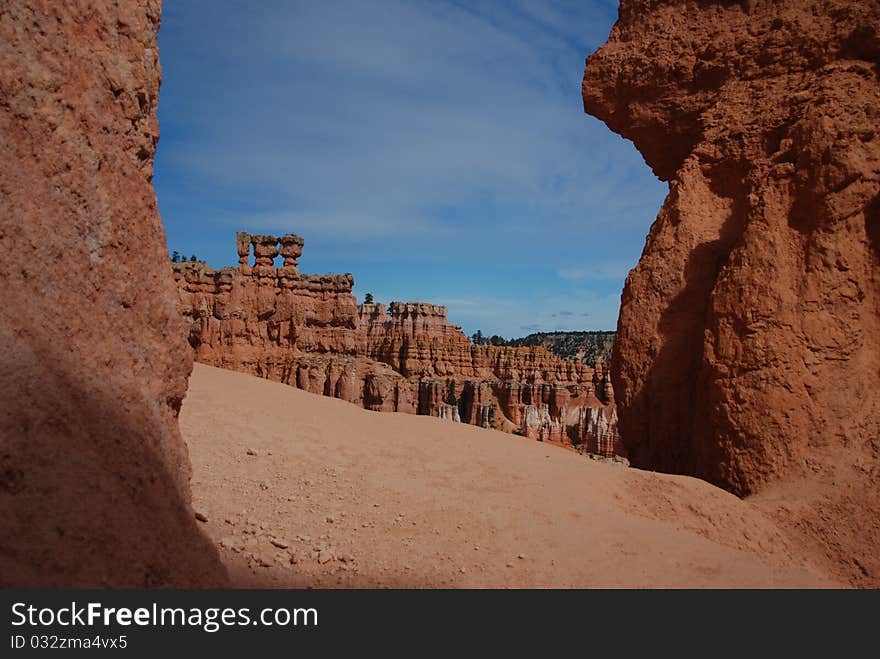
{"x":588,"y":347}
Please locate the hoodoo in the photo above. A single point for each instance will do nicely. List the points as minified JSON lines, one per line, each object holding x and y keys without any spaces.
{"x":747,"y":348}
{"x":309,"y":332}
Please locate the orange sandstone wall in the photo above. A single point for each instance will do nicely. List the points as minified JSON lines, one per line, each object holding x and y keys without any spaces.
{"x":748,"y":345}
{"x":308,"y":331}
{"x":94,"y":475}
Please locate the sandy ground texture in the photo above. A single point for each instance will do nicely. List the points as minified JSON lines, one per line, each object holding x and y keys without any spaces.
{"x":300,"y":490}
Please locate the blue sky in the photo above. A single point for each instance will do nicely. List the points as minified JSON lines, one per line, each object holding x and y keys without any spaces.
{"x":437,"y":150}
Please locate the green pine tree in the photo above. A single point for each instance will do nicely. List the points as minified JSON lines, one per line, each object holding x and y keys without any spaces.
{"x":450,"y":393}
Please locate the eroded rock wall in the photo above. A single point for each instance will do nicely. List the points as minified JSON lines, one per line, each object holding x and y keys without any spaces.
{"x":308,"y":331}
{"x":94,"y":476}
{"x":747,"y":350}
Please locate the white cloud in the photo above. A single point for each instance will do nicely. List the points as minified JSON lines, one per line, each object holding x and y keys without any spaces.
{"x":396,"y":134}
{"x":346,"y":121}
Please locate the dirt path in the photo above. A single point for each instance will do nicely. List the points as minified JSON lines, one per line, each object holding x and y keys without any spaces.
{"x":301,"y":490}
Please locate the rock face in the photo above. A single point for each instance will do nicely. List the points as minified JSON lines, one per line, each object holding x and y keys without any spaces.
{"x":747,"y":349}
{"x":94,"y":476}
{"x":309,"y":332}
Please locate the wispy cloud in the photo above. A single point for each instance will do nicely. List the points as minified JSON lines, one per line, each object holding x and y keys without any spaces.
{"x":402,"y":133}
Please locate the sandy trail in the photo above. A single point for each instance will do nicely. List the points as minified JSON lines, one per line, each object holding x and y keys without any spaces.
{"x":336,"y":496}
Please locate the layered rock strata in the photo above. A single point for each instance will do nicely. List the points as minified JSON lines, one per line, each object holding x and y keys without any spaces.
{"x":309,"y":332}
{"x":94,"y":475}
{"x":747,"y":347}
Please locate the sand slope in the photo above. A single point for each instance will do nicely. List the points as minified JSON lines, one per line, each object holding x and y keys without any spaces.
{"x":362,"y":499}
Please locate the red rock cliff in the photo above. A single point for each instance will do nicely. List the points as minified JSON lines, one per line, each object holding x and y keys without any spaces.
{"x":308,"y":331}
{"x":94,"y":476}
{"x":747,"y":349}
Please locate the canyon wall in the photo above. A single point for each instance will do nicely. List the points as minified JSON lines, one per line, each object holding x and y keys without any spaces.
{"x":94,"y":475}
{"x":309,"y":332}
{"x":747,"y":347}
